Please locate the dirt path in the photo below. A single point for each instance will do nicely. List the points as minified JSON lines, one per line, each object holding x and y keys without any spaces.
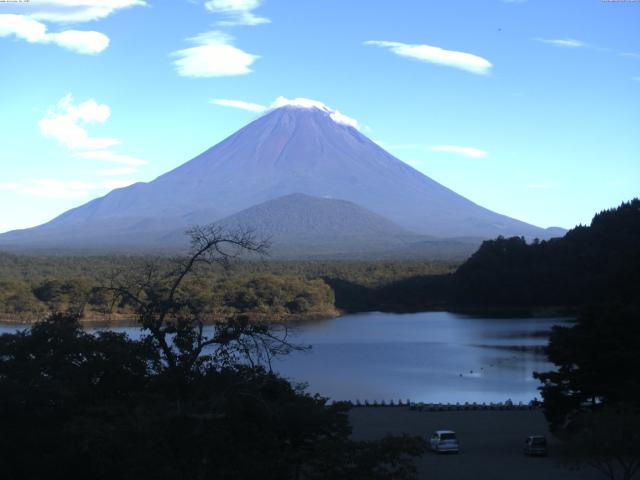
{"x":490,"y":443}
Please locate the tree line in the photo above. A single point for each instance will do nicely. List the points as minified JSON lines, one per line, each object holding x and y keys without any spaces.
{"x":595,"y":263}
{"x":32,"y":286}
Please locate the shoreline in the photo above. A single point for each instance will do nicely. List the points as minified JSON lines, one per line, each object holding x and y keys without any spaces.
{"x":124,"y":320}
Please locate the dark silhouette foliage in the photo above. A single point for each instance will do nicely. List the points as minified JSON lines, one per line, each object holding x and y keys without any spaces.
{"x":600,"y":262}
{"x":183,"y":402}
{"x":608,"y":441}
{"x":597,"y":363}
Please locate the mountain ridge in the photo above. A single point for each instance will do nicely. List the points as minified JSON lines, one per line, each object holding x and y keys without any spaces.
{"x":288,"y":150}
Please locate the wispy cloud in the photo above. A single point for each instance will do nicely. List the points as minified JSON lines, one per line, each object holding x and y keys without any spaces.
{"x":113,"y":172}
{"x":430,"y":54}
{"x":576,"y":44}
{"x":236,"y":12}
{"x":457,"y":150}
{"x":50,"y":188}
{"x":112,"y":157}
{"x":414,"y":163}
{"x":335,"y":115}
{"x":66,"y":122}
{"x":241,"y":104}
{"x":113,"y":184}
{"x":67,"y":11}
{"x":33,"y":31}
{"x":28,"y":21}
{"x":566,"y":42}
{"x":213,"y":56}
{"x":61,"y":189}
{"x":470,"y":152}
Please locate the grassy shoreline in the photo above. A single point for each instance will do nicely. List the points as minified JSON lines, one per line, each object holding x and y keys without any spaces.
{"x":131,"y":320}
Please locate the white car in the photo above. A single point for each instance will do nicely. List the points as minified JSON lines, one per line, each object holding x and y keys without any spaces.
{"x":535,"y":445}
{"x":444,"y":441}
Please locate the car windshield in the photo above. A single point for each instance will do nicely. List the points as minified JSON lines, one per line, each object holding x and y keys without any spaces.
{"x":447,"y":436}
{"x":539,"y":442}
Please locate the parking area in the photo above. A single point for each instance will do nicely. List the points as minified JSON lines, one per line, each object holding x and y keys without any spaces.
{"x":491,"y":443}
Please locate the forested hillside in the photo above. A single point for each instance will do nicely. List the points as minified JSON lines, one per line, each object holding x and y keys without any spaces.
{"x":33,"y":286}
{"x":590,"y":264}
{"x":600,"y":262}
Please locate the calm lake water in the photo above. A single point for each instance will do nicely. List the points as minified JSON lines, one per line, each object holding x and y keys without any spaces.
{"x":424,"y":357}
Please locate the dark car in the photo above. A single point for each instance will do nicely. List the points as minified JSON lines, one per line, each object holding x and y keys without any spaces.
{"x":535,"y":445}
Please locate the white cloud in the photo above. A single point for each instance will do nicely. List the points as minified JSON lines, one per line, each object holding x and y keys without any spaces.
{"x":242,"y":105}
{"x":112,"y":172}
{"x":113,"y":184}
{"x":338,"y":117}
{"x":66,"y":123}
{"x":50,"y":188}
{"x":80,"y":41}
{"x":430,"y":54}
{"x":60,"y":189}
{"x":637,"y":79}
{"x":567,"y":42}
{"x":24,"y":20}
{"x":33,"y":31}
{"x":631,"y":55}
{"x":78,"y":10}
{"x":236,"y":12}
{"x":414,"y":163}
{"x":454,"y":149}
{"x":466,"y":151}
{"x":213,"y":56}
{"x":335,"y":115}
{"x":112,"y":157}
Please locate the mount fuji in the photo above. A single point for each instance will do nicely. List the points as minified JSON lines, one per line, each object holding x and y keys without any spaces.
{"x":298,"y":148}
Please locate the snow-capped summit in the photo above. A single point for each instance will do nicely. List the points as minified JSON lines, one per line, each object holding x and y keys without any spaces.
{"x":335,"y":115}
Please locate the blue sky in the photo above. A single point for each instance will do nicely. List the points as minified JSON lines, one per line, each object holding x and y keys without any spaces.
{"x":530,"y":108}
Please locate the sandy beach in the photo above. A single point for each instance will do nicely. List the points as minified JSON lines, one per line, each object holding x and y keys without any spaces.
{"x":490,"y":443}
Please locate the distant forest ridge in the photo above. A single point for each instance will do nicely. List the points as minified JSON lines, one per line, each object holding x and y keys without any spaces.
{"x":589,"y":264}
{"x":31,"y":287}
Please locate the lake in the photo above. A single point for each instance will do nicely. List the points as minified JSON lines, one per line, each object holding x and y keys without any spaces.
{"x":424,"y":357}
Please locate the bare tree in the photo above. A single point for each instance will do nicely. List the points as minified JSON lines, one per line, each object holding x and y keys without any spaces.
{"x":177,"y":323}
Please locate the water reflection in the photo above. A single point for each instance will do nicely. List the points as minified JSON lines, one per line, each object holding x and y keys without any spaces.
{"x":428,"y":357}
